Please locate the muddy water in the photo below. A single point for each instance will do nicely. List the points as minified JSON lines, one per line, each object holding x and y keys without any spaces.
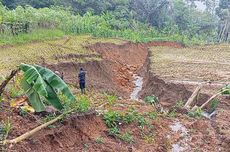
{"x":138,"y":81}
{"x":208,"y":115}
{"x":181,"y":145}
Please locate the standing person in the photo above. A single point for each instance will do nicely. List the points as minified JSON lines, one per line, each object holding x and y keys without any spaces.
{"x":81,"y":77}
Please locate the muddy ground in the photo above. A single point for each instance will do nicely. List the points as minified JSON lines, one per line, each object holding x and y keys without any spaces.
{"x":114,"y":74}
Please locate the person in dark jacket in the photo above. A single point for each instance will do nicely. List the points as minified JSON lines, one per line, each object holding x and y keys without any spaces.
{"x":81,"y":78}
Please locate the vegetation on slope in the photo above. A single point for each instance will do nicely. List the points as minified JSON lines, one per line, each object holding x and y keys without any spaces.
{"x":186,"y":24}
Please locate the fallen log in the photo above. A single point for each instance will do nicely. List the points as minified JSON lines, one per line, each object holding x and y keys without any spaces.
{"x":5,"y":82}
{"x":192,"y":97}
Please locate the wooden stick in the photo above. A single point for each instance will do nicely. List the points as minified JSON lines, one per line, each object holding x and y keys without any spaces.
{"x":4,"y":83}
{"x":209,"y":100}
{"x":192,"y":97}
{"x":35,"y":130}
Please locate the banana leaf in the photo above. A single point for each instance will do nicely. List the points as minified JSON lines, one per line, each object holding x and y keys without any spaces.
{"x":53,"y":98}
{"x":36,"y":101}
{"x":33,"y":79}
{"x":55,"y":82}
{"x":33,"y":96}
{"x":39,"y":82}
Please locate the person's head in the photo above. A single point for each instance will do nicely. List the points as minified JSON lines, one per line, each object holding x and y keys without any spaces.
{"x":81,"y":69}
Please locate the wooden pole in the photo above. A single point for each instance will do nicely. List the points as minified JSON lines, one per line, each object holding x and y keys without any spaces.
{"x":209,"y":100}
{"x":35,"y":130}
{"x":192,"y":97}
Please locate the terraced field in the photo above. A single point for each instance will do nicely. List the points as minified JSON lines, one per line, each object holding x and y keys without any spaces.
{"x":191,"y":66}
{"x":54,"y":51}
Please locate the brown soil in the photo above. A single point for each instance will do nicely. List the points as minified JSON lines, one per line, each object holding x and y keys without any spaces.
{"x":113,"y":73}
{"x":168,"y":93}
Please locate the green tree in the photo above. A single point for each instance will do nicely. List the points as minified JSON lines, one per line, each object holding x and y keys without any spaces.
{"x":150,"y":11}
{"x":223,"y":11}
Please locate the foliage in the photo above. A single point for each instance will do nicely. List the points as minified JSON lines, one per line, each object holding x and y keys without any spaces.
{"x":214,"y":104}
{"x":14,"y":91}
{"x":112,"y":119}
{"x":23,"y":112}
{"x":99,"y":140}
{"x":41,"y":84}
{"x":197,"y":113}
{"x":152,"y":115}
{"x":83,"y":104}
{"x":130,"y":117}
{"x":111,"y":99}
{"x":142,"y":121}
{"x":172,"y":113}
{"x":226,"y":90}
{"x":49,"y":117}
{"x":127,"y":137}
{"x":5,"y":128}
{"x":122,"y":18}
{"x":114,"y":131}
{"x":223,"y":11}
{"x":179,"y":104}
{"x":35,"y":35}
{"x":151,"y":99}
{"x":1,"y":99}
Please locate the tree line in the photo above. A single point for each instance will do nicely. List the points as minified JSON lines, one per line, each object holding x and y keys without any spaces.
{"x":168,"y":16}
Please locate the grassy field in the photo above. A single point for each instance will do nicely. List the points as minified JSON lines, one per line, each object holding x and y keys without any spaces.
{"x":203,"y":63}
{"x":48,"y":50}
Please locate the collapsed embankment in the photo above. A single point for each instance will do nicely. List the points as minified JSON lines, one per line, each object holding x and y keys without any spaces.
{"x":114,"y":72}
{"x":168,"y":93}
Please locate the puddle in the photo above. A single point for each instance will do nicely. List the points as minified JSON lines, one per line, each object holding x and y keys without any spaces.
{"x":138,"y":87}
{"x":181,"y":145}
{"x":177,"y":148}
{"x":178,"y":127}
{"x":208,"y":115}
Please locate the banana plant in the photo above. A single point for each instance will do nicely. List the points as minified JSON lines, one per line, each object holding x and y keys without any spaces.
{"x":42,"y":85}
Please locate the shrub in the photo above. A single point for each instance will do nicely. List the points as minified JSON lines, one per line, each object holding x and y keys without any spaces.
{"x":151,"y":99}
{"x":112,"y":119}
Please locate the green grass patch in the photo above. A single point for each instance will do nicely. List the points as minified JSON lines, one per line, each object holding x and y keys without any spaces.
{"x":36,"y":35}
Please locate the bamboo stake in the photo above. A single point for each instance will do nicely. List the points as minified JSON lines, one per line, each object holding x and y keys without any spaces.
{"x":192,"y":97}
